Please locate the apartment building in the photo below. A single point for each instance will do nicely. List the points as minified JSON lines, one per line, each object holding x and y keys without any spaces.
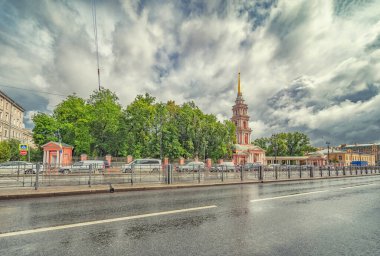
{"x":12,"y":121}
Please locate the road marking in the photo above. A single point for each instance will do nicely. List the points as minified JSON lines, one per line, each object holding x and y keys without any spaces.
{"x":307,"y":193}
{"x":96,"y":222}
{"x":363,"y":185}
{"x":292,"y":195}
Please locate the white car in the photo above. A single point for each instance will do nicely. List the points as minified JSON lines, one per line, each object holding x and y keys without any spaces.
{"x":192,"y":166}
{"x":19,"y":167}
{"x":83,"y":166}
{"x":225,"y":167}
{"x":143,"y":165}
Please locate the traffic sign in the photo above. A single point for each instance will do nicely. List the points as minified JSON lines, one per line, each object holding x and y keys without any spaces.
{"x":23,"y":147}
{"x":23,"y":152}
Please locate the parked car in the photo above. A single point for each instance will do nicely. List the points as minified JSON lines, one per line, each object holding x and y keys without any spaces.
{"x":83,"y":166}
{"x":14,"y":167}
{"x":225,"y":166}
{"x":251,"y":166}
{"x":145,"y":165}
{"x":192,"y":166}
{"x":106,"y":164}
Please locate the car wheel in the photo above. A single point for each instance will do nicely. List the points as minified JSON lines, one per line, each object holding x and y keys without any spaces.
{"x":65,"y":171}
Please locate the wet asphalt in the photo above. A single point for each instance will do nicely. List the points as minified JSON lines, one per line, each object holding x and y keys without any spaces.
{"x":332,"y":221}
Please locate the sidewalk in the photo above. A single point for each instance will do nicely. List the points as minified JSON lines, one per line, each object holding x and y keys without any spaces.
{"x":30,"y":192}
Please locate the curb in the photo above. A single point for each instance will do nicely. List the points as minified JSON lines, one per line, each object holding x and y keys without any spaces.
{"x":165,"y":187}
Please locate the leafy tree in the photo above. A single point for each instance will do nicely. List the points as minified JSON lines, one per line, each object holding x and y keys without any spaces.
{"x":286,"y":144}
{"x":73,"y":119}
{"x":5,"y":151}
{"x":45,"y":129}
{"x":105,"y":120}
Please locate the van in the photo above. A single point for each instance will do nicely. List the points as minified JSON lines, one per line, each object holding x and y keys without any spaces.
{"x":145,"y":165}
{"x":83,"y":166}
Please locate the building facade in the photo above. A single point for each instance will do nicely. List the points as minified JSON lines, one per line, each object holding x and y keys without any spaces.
{"x":244,"y":151}
{"x":12,"y":121}
{"x":345,"y":158}
{"x":370,"y":149}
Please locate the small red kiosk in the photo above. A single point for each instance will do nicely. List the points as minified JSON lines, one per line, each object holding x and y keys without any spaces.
{"x":57,"y":154}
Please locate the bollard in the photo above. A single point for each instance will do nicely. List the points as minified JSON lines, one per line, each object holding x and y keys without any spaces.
{"x":288,"y":172}
{"x":344,"y":170}
{"x":241,"y":173}
{"x":37,"y":174}
{"x":222,"y":173}
{"x":311,"y":172}
{"x":328,"y":168}
{"x":300,"y":169}
{"x":320,"y":170}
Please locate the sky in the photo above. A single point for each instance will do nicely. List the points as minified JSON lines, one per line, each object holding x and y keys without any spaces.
{"x":309,"y":66}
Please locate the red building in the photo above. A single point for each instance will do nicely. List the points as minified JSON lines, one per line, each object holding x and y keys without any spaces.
{"x":245,"y":152}
{"x":57,"y":154}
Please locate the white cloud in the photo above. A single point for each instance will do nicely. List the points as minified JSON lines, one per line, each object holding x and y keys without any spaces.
{"x":304,"y":65}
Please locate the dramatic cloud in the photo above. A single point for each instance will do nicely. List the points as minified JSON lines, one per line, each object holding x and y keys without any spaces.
{"x":305,"y":65}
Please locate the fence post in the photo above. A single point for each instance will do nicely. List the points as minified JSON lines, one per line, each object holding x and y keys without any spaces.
{"x":300,"y":169}
{"x":275,"y":171}
{"x":222,"y":173}
{"x":199,"y":174}
{"x":89,"y":176}
{"x":261,"y":173}
{"x":37,"y":174}
{"x":169,"y":174}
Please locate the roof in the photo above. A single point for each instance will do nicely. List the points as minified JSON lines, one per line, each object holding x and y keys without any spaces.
{"x":58,"y":144}
{"x":12,"y":101}
{"x":247,"y":147}
{"x":361,"y":145}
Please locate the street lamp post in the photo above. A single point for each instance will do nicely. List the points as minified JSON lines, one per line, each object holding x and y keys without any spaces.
{"x":328,"y":152}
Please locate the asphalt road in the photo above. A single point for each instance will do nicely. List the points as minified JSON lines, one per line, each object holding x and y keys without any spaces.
{"x":318,"y":217}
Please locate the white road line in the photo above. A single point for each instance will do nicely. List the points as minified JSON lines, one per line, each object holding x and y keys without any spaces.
{"x":307,"y":193}
{"x":358,"y":186}
{"x":292,"y":195}
{"x":89,"y":223}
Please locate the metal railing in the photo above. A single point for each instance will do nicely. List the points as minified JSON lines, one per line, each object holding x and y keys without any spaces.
{"x":38,"y":175}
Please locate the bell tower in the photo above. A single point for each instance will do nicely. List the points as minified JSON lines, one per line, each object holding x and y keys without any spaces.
{"x":241,"y":119}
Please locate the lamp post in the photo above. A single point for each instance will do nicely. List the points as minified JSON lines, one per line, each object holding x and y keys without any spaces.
{"x":328,"y":152}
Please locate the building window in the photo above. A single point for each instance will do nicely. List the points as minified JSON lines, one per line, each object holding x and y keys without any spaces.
{"x":340,"y":158}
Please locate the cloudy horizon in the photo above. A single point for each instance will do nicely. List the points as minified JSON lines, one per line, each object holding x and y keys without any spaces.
{"x":309,"y":66}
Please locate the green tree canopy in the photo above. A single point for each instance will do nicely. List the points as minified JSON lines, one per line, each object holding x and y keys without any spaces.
{"x":286,"y":144}
{"x":5,"y":151}
{"x":145,"y":128}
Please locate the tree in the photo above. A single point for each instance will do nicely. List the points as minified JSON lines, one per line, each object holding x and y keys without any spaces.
{"x":286,"y":144}
{"x":45,"y":129}
{"x":5,"y":151}
{"x":73,"y":122}
{"x":104,"y":125}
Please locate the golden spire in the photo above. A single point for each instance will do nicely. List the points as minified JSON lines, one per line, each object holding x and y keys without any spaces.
{"x":239,"y":91}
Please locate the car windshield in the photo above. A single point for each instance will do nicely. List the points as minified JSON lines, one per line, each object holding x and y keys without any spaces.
{"x":78,"y":164}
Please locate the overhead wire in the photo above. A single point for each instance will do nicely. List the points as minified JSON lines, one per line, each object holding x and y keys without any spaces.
{"x":33,"y":90}
{"x":96,"y":38}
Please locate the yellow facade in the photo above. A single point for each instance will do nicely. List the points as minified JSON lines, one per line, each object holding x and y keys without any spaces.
{"x":344,"y":158}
